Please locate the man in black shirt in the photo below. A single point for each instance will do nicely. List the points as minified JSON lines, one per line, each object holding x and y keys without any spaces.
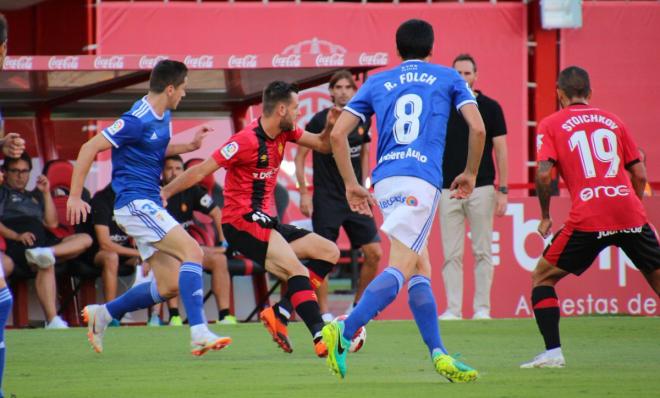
{"x":111,"y":246}
{"x":479,"y":207}
{"x":181,"y":207}
{"x":328,"y":206}
{"x":25,"y":219}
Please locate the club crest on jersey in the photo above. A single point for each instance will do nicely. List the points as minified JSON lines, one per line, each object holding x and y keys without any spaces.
{"x":280,"y":148}
{"x":115,"y":127}
{"x":229,"y":150}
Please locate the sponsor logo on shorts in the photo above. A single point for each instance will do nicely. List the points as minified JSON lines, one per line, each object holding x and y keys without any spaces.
{"x":229,"y":150}
{"x":601,"y":191}
{"x":605,"y":234}
{"x":115,"y":127}
{"x":396,"y":200}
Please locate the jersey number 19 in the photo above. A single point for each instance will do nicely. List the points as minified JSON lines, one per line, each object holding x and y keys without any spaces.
{"x":609,"y":155}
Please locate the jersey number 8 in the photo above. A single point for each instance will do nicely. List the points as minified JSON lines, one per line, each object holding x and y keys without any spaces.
{"x":408,"y":109}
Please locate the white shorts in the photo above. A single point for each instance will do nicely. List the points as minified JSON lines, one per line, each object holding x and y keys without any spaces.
{"x":408,"y":205}
{"x":146,"y":222}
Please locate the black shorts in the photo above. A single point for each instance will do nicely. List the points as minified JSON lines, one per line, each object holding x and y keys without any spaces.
{"x":251,"y":238}
{"x":16,"y":249}
{"x":328,"y":217}
{"x":574,"y":251}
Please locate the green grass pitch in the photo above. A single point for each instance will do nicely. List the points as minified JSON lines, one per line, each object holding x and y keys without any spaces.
{"x":606,"y":357}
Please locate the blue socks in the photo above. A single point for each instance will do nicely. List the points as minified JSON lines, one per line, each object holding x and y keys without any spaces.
{"x":5,"y":306}
{"x":378,"y":295}
{"x":138,"y":297}
{"x":422,"y":304}
{"x":191,"y":291}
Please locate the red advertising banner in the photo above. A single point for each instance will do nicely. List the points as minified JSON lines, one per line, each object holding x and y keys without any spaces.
{"x":495,"y":34}
{"x":611,"y":286}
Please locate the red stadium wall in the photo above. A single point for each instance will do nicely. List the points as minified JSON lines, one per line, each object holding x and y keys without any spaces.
{"x":618,"y":46}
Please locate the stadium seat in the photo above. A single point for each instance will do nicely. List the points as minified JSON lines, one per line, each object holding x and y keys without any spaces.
{"x":77,"y":285}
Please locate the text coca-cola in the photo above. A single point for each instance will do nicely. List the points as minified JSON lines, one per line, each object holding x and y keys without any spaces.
{"x":111,"y":62}
{"x":20,"y":63}
{"x":286,"y":61}
{"x":68,"y":62}
{"x":330,"y":60}
{"x":246,"y":61}
{"x":148,"y":62}
{"x":373,"y":59}
{"x":199,"y":62}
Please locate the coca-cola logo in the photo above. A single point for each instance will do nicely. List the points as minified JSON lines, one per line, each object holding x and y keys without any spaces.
{"x":286,"y":61}
{"x":373,"y":59}
{"x":20,"y":63}
{"x":246,"y":61}
{"x":330,"y":60}
{"x":148,"y":62}
{"x":199,"y":62}
{"x":68,"y":62}
{"x":111,"y":62}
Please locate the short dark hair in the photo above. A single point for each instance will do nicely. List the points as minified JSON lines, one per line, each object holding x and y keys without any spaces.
{"x":177,"y":158}
{"x":342,"y":74}
{"x":414,"y":39}
{"x":276,"y":92}
{"x":465,"y":57}
{"x":3,"y":29}
{"x":167,"y":72}
{"x":574,"y":82}
{"x":11,"y":161}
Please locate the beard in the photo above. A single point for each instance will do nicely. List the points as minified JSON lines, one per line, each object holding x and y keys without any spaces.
{"x":286,"y":125}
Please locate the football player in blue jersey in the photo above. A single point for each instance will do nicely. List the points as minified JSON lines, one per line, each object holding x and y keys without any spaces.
{"x":140,"y":141}
{"x":411,"y":102}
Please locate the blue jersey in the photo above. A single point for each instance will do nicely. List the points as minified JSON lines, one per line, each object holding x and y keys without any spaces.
{"x":412,"y":103}
{"x":139,"y":138}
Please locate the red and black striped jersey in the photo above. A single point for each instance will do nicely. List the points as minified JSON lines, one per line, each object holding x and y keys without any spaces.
{"x":252,"y":160}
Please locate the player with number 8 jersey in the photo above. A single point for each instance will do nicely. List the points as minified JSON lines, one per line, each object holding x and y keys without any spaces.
{"x":412,"y":103}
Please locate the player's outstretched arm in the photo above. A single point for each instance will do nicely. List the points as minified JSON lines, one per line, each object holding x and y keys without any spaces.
{"x":638,"y":178}
{"x":463,"y":184}
{"x":195,"y":144}
{"x":544,"y":192}
{"x":321,"y":142}
{"x":357,"y":196}
{"x":76,"y":209}
{"x":189,"y":178}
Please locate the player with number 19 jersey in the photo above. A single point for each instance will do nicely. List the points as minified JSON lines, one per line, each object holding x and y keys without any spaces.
{"x":412,"y":105}
{"x":591,"y":148}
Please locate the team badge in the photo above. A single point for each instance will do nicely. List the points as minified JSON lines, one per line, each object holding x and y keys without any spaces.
{"x":361,"y":130}
{"x":229,"y":150}
{"x":115,"y":127}
{"x":280,"y":148}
